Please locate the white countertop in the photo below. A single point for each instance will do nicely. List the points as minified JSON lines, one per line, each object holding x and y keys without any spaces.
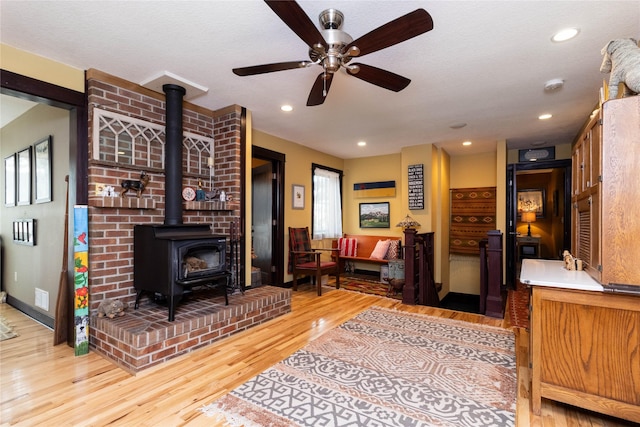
{"x":540,"y":272}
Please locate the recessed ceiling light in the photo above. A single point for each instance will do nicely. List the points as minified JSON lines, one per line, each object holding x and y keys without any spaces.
{"x":361,"y":143}
{"x":466,"y":143}
{"x":286,"y":108}
{"x":545,"y":116}
{"x":565,"y":34}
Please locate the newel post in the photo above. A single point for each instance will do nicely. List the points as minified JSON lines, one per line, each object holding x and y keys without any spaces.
{"x":409,"y":289}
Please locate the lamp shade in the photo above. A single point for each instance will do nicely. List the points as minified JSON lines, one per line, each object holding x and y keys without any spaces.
{"x":408,"y":222}
{"x":528,"y":217}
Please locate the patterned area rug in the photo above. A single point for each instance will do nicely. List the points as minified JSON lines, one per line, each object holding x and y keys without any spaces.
{"x":385,"y":368}
{"x":6,"y":330}
{"x":518,"y":306}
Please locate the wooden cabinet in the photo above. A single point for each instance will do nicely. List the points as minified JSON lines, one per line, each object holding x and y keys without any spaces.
{"x":606,"y":194}
{"x":585,"y":350}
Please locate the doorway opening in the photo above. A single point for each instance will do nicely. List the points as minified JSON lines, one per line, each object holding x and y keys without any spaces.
{"x":267,"y":215}
{"x":548,"y":185}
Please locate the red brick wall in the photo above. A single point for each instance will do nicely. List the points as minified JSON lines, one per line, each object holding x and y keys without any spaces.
{"x":111,"y":221}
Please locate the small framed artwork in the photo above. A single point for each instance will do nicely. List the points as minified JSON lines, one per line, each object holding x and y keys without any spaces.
{"x":532,"y":200}
{"x":297,"y":196}
{"x":10,"y":180}
{"x":374,"y":215}
{"x":42,"y":156}
{"x":23,"y":165}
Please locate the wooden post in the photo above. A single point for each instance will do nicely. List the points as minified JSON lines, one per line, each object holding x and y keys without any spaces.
{"x":409,"y":289}
{"x":494,"y":304}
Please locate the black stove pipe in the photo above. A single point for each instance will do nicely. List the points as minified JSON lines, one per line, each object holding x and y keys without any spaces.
{"x":173,"y":154}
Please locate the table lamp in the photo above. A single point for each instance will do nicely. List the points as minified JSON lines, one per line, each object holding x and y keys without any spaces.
{"x":408,"y":222}
{"x":528,"y":217}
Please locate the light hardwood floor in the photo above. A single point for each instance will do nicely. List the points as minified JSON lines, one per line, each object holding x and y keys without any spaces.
{"x":46,"y":385}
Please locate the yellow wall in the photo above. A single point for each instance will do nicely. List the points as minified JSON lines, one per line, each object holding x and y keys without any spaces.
{"x":477,"y":170}
{"x":37,"y":67}
{"x":297,"y":171}
{"x":372,"y":169}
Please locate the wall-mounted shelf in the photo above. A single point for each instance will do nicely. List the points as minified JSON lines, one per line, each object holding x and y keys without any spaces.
{"x":123,"y":202}
{"x":208,"y":206}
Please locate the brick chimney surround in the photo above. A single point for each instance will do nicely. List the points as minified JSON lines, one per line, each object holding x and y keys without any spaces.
{"x":144,"y":338}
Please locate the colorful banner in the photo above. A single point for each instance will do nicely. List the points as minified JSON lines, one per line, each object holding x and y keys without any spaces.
{"x":374,"y":189}
{"x":81,"y":278}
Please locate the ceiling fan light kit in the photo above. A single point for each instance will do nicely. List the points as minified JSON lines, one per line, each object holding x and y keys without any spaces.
{"x":332,"y":48}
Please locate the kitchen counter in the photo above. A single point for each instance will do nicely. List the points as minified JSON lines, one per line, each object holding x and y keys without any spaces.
{"x":542,"y":272}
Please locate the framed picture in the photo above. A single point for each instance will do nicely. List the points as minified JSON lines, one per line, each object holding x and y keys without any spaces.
{"x":10,"y":180}
{"x":532,"y":200}
{"x":297,"y":196}
{"x":42,"y":156}
{"x":23,"y":165}
{"x":374,"y":215}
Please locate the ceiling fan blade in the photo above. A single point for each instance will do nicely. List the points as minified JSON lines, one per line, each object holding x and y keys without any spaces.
{"x":320,"y":89}
{"x":292,"y":14}
{"x":379,"y":77}
{"x":401,"y":29}
{"x":270,"y":68}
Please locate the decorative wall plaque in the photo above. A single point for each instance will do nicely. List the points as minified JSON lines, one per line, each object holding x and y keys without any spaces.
{"x":416,"y":187}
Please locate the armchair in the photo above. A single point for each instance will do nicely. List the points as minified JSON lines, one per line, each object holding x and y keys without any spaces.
{"x":305,"y":261}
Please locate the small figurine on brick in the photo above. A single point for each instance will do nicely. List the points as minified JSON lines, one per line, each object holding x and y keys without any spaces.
{"x":111,"y":308}
{"x":137,"y":186}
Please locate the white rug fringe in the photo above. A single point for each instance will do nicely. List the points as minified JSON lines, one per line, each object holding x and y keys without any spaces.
{"x":221,"y":414}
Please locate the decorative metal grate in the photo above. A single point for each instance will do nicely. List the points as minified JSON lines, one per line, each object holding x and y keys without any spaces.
{"x":130,"y":141}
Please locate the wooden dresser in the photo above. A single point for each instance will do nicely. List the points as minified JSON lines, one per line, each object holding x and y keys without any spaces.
{"x":606,"y":194}
{"x":585,"y":342}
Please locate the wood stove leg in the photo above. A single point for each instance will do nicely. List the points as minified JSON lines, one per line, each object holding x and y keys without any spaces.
{"x":226,"y":297}
{"x":172,"y":306}
{"x":137,"y":303}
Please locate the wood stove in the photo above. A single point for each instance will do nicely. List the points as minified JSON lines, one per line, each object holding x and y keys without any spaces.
{"x":171,"y":259}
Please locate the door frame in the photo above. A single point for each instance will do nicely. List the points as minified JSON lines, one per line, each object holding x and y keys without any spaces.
{"x":512,"y":207}
{"x":31,"y":89}
{"x":277,"y":214}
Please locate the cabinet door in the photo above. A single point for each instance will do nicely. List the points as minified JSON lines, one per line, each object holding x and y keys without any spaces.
{"x":620,"y":192}
{"x":585,"y":165}
{"x":595,"y":163}
{"x":576,"y":170}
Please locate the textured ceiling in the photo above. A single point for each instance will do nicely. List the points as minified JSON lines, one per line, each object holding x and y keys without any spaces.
{"x":485,"y":64}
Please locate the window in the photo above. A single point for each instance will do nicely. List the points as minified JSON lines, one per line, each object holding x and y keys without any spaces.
{"x":327,"y":202}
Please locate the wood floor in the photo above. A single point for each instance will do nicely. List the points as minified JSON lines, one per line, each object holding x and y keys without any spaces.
{"x":46,"y":385}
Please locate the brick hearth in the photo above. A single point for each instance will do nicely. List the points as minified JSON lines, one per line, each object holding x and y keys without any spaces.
{"x":144,"y":337}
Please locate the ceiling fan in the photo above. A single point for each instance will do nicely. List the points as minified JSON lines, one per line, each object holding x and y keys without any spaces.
{"x":332,"y":48}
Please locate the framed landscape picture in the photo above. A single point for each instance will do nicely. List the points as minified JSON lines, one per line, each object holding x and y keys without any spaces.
{"x":374,"y":215}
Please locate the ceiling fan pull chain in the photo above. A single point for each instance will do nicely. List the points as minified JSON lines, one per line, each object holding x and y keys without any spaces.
{"x":324,"y":85}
